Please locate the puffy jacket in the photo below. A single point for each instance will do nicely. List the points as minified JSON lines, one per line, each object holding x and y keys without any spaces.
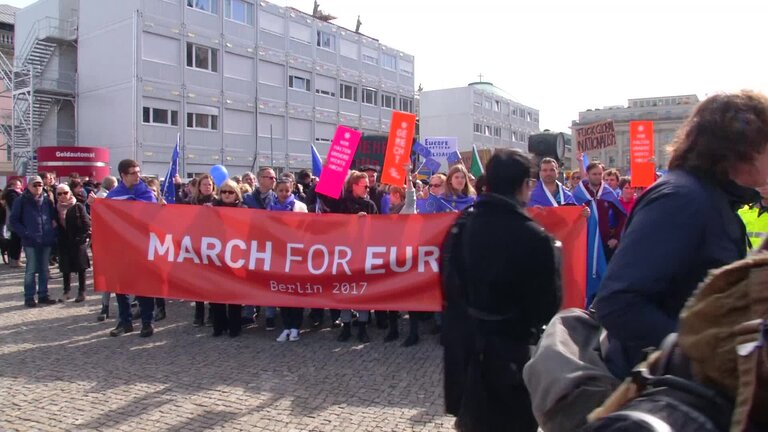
{"x":34,"y":222}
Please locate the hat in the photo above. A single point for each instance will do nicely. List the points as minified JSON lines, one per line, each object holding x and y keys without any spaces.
{"x":34,"y":179}
{"x":369,"y":168}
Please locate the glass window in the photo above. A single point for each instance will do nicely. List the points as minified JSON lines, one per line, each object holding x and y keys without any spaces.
{"x":146,"y":118}
{"x":298,"y":83}
{"x":406,"y":105}
{"x":348,"y":92}
{"x":487,"y":130}
{"x":239,"y":10}
{"x":388,"y":100}
{"x":202,"y":121}
{"x":388,"y":61}
{"x":487,"y":104}
{"x":160,"y":116}
{"x":496,"y":105}
{"x":210,"y":6}
{"x":326,"y":40}
{"x":478,"y":128}
{"x":369,"y":96}
{"x":202,"y":57}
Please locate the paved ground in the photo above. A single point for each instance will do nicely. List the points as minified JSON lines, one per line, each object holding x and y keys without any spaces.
{"x":60,"y":370}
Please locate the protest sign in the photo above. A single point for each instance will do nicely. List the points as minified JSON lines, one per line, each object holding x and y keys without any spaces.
{"x":595,"y":136}
{"x":441,"y":147}
{"x":398,"y":148}
{"x":245,"y":256}
{"x":339,"y":159}
{"x":641,"y":151}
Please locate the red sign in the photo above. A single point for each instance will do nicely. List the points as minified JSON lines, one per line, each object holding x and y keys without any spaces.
{"x":398,"y":148}
{"x":246,"y":256}
{"x":339,"y":159}
{"x":641,"y":150}
{"x":63,"y":161}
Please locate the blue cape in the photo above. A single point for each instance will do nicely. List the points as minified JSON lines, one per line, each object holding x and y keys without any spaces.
{"x":539,"y":196}
{"x":140,"y":192}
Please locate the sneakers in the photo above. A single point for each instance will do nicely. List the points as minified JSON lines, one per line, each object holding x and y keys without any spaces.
{"x":294,"y":335}
{"x":160,"y":314}
{"x":30,"y":303}
{"x":336,"y":324}
{"x":122,"y":329}
{"x":43,"y":301}
{"x":270,"y":323}
{"x":146,"y":330}
{"x":284,"y":336}
{"x":80,"y":298}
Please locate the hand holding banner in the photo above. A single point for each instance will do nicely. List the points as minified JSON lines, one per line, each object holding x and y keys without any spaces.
{"x":339,"y":159}
{"x":398,"y":148}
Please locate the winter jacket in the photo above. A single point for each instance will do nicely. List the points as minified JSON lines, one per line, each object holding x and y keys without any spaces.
{"x":33,"y":220}
{"x":73,"y":240}
{"x":255,"y":201}
{"x":680,"y":228}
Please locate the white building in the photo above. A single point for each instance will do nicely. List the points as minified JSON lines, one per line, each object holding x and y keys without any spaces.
{"x":479,"y":114}
{"x":668,"y":113}
{"x":237,"y":79}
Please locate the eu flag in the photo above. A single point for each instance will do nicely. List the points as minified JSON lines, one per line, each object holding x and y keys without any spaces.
{"x":169,"y":189}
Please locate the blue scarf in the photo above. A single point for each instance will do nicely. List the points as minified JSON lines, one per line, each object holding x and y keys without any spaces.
{"x":286,"y":206}
{"x":541,"y":196}
{"x":140,"y":192}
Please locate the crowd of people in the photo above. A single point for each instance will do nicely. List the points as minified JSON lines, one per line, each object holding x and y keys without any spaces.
{"x":500,"y":269}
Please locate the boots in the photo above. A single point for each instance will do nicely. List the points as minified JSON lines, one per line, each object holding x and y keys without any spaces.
{"x":346,"y":332}
{"x":65,"y":296}
{"x":104,"y":314}
{"x":393,"y":332}
{"x":80,"y":296}
{"x":362,"y":334}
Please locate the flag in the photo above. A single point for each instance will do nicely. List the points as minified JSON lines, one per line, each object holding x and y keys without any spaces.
{"x":454,"y":157}
{"x":317,"y":163}
{"x":477,"y":166}
{"x":584,"y":161}
{"x":432,"y":165}
{"x":433,"y":204}
{"x":596,"y":263}
{"x":422,"y":150}
{"x":169,"y":189}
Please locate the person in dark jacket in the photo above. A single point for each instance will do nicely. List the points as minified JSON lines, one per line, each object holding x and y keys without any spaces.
{"x":205,"y":194}
{"x":33,"y":218}
{"x":131,"y":188}
{"x":227,"y":317}
{"x":500,"y":280}
{"x":684,"y":225}
{"x":74,"y":226}
{"x":13,"y":191}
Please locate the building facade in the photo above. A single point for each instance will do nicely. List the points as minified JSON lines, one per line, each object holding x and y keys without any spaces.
{"x":7,"y":25}
{"x":667,"y":113}
{"x":479,"y":114}
{"x":244,"y":83}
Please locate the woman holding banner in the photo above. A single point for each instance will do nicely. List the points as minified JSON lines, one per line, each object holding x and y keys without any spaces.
{"x":356,"y":201}
{"x":227,"y":316}
{"x":203,"y":194}
{"x":286,"y":201}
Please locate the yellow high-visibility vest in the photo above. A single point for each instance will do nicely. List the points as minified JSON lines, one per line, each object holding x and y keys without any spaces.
{"x":757,"y":226}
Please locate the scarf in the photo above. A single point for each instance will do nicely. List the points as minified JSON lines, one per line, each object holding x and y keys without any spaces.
{"x":139,"y":192}
{"x":540,"y":196}
{"x":286,"y":206}
{"x":63,"y":207}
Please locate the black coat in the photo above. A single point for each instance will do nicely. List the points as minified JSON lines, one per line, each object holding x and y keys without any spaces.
{"x":351,"y":205}
{"x":679,"y":229}
{"x":501,"y":283}
{"x":73,"y":240}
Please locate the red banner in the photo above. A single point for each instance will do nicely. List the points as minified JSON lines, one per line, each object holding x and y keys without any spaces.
{"x":246,"y":256}
{"x":641,"y":150}
{"x":398,"y":148}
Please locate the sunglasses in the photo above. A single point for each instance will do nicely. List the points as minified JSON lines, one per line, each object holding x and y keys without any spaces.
{"x":228,"y":192}
{"x":436,"y":185}
{"x":62,"y":193}
{"x":269,"y":177}
{"x":366,"y":186}
{"x":37,"y":185}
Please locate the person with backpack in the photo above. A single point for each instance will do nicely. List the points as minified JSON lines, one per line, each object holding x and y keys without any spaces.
{"x":501,"y":283}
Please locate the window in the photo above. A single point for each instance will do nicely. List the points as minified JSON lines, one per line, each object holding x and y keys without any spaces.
{"x":271,"y":23}
{"x":514,"y":135}
{"x":388,"y":61}
{"x":326,"y":40}
{"x":406,"y":105}
{"x":478,"y":103}
{"x":210,"y":6}
{"x":478,"y":128}
{"x":370,"y":55}
{"x":160,"y":49}
{"x":300,"y":32}
{"x":496,"y":105}
{"x":497,"y":131}
{"x":325,"y":85}
{"x":239,"y":10}
{"x":348,"y":92}
{"x":487,"y":104}
{"x":202,"y":57}
{"x":521,"y":113}
{"x":388,"y":100}
{"x":406,"y":68}
{"x":237,"y":66}
{"x":160,"y":116}
{"x":325,"y":92}
{"x":348,"y":49}
{"x":487,"y":130}
{"x":298,"y":83}
{"x":202,"y":121}
{"x":528,"y":116}
{"x":369,"y":96}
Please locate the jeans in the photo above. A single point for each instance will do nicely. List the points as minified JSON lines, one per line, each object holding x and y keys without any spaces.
{"x":362,"y":316}
{"x":270,"y":312}
{"x":146,"y":307}
{"x":37,"y":262}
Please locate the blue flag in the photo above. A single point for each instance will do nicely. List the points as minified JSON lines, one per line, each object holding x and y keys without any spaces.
{"x":433,"y":204}
{"x":317,"y":163}
{"x":422,"y":150}
{"x":432,"y":165}
{"x":169,"y":189}
{"x":596,"y":263}
{"x":454,"y":157}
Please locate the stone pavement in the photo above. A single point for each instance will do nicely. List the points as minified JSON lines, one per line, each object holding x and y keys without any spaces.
{"x":60,"y":370}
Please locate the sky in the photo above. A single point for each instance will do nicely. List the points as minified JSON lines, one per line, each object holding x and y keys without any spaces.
{"x":566,"y":56}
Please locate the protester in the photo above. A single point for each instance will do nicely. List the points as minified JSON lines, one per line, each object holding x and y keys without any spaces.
{"x":549,"y":192}
{"x":286,"y":201}
{"x":355,"y":201}
{"x":755,"y":218}
{"x":12,"y":192}
{"x":307,"y":183}
{"x":205,"y":195}
{"x":612,"y":178}
{"x":574,"y":181}
{"x":458,"y":192}
{"x":375,"y":192}
{"x":107,"y":185}
{"x":227,"y":317}
{"x":249,"y":179}
{"x":154,"y":185}
{"x":499,"y":277}
{"x":74,"y":230}
{"x":131,"y":188}
{"x":685,"y":224}
{"x":627,"y":197}
{"x":33,"y":218}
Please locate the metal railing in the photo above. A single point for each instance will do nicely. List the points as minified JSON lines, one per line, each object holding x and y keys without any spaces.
{"x":47,"y":28}
{"x":60,"y":81}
